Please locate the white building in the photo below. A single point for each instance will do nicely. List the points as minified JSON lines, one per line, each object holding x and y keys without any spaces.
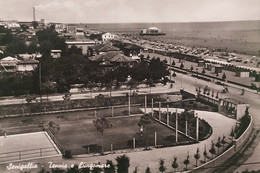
{"x":108,"y":36}
{"x":8,"y":64}
{"x":26,"y":56}
{"x":84,"y":45}
{"x":26,"y":65}
{"x":71,"y":28}
{"x":56,"y":53}
{"x":151,"y":31}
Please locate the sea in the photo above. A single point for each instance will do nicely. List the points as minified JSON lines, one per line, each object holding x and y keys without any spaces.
{"x":232,"y":36}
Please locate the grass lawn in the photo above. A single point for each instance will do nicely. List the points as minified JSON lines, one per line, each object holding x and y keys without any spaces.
{"x":77,"y":134}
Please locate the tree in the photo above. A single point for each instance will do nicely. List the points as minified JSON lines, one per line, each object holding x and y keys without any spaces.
{"x":224,"y":76}
{"x":247,"y":111}
{"x":17,"y":46}
{"x":57,"y":170}
{"x":186,"y":162}
{"x":150,"y":83}
{"x":122,"y":164}
{"x":218,"y":144}
{"x":165,"y":61}
{"x":174,"y":75}
{"x":49,"y":39}
{"x":203,"y":71}
{"x":175,"y":164}
{"x":101,"y":124}
{"x":182,"y":66}
{"x":162,"y":167}
{"x":197,"y":156}
{"x":6,"y":36}
{"x":110,"y":168}
{"x":217,"y":95}
{"x":191,"y":68}
{"x":74,"y":169}
{"x":35,"y":24}
{"x":223,"y":141}
{"x":144,"y":121}
{"x":24,"y":27}
{"x":84,"y":170}
{"x":54,"y":127}
{"x":173,"y":63}
{"x":48,"y":87}
{"x":147,"y":170}
{"x":205,"y":154}
{"x":131,"y":84}
{"x":232,"y":133}
{"x":212,"y":150}
{"x":74,"y":50}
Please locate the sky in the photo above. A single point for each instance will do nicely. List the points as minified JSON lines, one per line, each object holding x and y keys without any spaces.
{"x":130,"y":11}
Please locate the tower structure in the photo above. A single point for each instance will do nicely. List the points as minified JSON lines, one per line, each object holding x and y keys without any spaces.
{"x":34,"y":17}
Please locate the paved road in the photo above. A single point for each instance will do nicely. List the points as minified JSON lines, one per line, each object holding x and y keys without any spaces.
{"x":250,"y":97}
{"x":144,"y":90}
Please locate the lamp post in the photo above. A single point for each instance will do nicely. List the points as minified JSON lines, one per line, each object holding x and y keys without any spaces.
{"x":181,"y":81}
{"x":196,"y":85}
{"x":40,"y":79}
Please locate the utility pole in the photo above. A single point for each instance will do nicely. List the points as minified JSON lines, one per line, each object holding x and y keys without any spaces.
{"x":40,"y":79}
{"x":170,"y":70}
{"x":129,"y":105}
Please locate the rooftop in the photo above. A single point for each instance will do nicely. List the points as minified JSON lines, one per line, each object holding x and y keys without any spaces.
{"x":233,"y":101}
{"x":29,"y":61}
{"x":56,"y":51}
{"x":80,"y":42}
{"x":113,"y":56}
{"x":105,"y":48}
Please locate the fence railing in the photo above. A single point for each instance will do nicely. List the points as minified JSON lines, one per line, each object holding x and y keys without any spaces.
{"x":25,"y":154}
{"x":54,"y":139}
{"x":237,"y":144}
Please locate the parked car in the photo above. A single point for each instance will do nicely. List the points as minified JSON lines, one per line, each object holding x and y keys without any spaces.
{"x":238,"y":60}
{"x":246,"y":61}
{"x":100,"y":96}
{"x":230,"y":59}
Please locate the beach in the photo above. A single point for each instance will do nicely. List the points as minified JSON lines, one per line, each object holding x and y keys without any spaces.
{"x":241,"y":37}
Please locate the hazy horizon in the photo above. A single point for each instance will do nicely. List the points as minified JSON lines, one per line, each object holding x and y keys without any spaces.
{"x":140,"y":22}
{"x":135,"y":11}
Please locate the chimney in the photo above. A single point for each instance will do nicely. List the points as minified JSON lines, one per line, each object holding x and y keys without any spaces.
{"x":34,"y":14}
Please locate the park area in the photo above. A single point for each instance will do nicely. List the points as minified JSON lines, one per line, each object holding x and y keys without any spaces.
{"x":82,"y":137}
{"x":76,"y":133}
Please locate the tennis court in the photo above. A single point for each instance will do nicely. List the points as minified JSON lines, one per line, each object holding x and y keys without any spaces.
{"x":27,"y":146}
{"x":77,"y":135}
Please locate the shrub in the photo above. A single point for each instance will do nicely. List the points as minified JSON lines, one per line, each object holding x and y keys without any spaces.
{"x":67,"y":154}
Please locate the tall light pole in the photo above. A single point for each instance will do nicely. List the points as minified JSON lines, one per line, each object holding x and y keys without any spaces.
{"x":40,"y":79}
{"x":170,"y":69}
{"x":196,"y":84}
{"x":181,"y":81}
